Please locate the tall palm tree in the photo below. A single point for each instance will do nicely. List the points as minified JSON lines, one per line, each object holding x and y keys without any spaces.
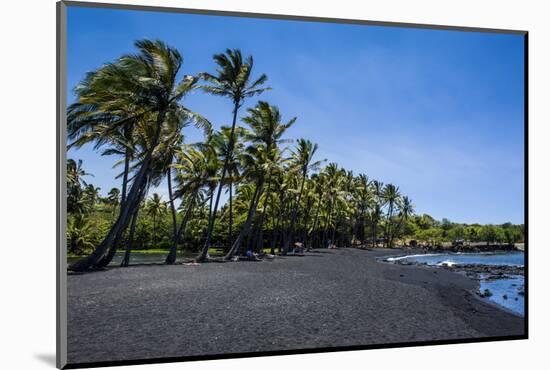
{"x":391,"y":196}
{"x":303,"y":162}
{"x":196,"y":170}
{"x":377,"y":188}
{"x":221,"y":141}
{"x":406,"y":210}
{"x":233,"y":80}
{"x":156,"y":208}
{"x":364,"y":199}
{"x":266,"y":131}
{"x":146,"y":80}
{"x":319,"y":191}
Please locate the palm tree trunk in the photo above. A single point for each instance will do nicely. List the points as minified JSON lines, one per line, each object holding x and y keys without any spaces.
{"x":106,"y":259}
{"x":112,"y":251}
{"x":126,"y":260}
{"x":272,"y":234}
{"x":306,"y":220}
{"x":251,"y":212}
{"x":401,"y":219}
{"x":316,"y":218}
{"x":375,"y":226}
{"x":278,"y":231}
{"x":328,"y":222}
{"x":389,"y":226}
{"x":125,"y":176}
{"x":294,"y":214}
{"x":171,"y":258}
{"x":230,"y":235}
{"x":212,"y":219}
{"x":127,"y":210}
{"x":154,"y":231}
{"x":260,"y":237}
{"x":174,"y":221}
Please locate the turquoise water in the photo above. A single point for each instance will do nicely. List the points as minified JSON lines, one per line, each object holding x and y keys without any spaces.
{"x":505,"y":292}
{"x":491,"y":259}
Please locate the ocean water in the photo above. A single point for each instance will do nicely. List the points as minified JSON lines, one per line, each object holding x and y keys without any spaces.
{"x":491,"y":259}
{"x":505,"y":292}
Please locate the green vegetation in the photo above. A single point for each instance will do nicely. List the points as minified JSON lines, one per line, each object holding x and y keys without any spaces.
{"x":279,"y":193}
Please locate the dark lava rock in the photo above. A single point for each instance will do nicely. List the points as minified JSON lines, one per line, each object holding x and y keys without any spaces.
{"x":486,"y":293}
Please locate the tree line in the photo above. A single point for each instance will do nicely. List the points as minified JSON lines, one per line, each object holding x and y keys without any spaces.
{"x":278,"y":192}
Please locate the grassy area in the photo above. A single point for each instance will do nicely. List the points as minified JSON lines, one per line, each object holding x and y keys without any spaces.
{"x":214,"y":252}
{"x":150,"y":251}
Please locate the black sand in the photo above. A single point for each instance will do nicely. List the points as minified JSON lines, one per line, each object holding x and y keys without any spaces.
{"x":327,"y":298}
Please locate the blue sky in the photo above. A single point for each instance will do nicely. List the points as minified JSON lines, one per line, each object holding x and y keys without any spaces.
{"x":438,"y":113}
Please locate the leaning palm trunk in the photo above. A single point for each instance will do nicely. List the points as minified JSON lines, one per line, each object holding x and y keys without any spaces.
{"x":289,"y":238}
{"x":311,"y":234}
{"x":112,"y":251}
{"x":230,"y":234}
{"x":212,"y":218}
{"x":328,"y":222}
{"x":126,"y":260}
{"x":172,"y":255}
{"x":389,"y":226}
{"x":246,"y":227}
{"x":126,"y":211}
{"x":171,"y":258}
{"x":260,"y":236}
{"x":279,"y":225}
{"x":125,"y":176}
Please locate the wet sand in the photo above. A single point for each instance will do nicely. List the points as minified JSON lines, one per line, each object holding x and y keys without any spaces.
{"x":328,"y":298}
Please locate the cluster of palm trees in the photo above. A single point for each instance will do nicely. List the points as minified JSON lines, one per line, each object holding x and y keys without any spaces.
{"x":277,"y":195}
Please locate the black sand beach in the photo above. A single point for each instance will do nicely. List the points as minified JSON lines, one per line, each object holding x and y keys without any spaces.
{"x":328,"y":298}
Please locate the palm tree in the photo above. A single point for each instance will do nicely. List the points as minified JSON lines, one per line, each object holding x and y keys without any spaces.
{"x":406,"y":210}
{"x":75,"y":181}
{"x":319,"y":191}
{"x":113,"y":198}
{"x":377,"y":188}
{"x":75,"y":173}
{"x":146,"y":80}
{"x":129,"y":244}
{"x":334,"y":177}
{"x":260,"y":157}
{"x":221,"y":141}
{"x":195,"y":168}
{"x":391,"y":196}
{"x":156,"y":208}
{"x":303,"y":162}
{"x":91,"y":194}
{"x":364,"y":199}
{"x":79,"y":232}
{"x":233,"y":80}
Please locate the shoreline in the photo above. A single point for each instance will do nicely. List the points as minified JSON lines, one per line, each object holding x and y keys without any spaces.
{"x":328,"y":298}
{"x":476,"y":272}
